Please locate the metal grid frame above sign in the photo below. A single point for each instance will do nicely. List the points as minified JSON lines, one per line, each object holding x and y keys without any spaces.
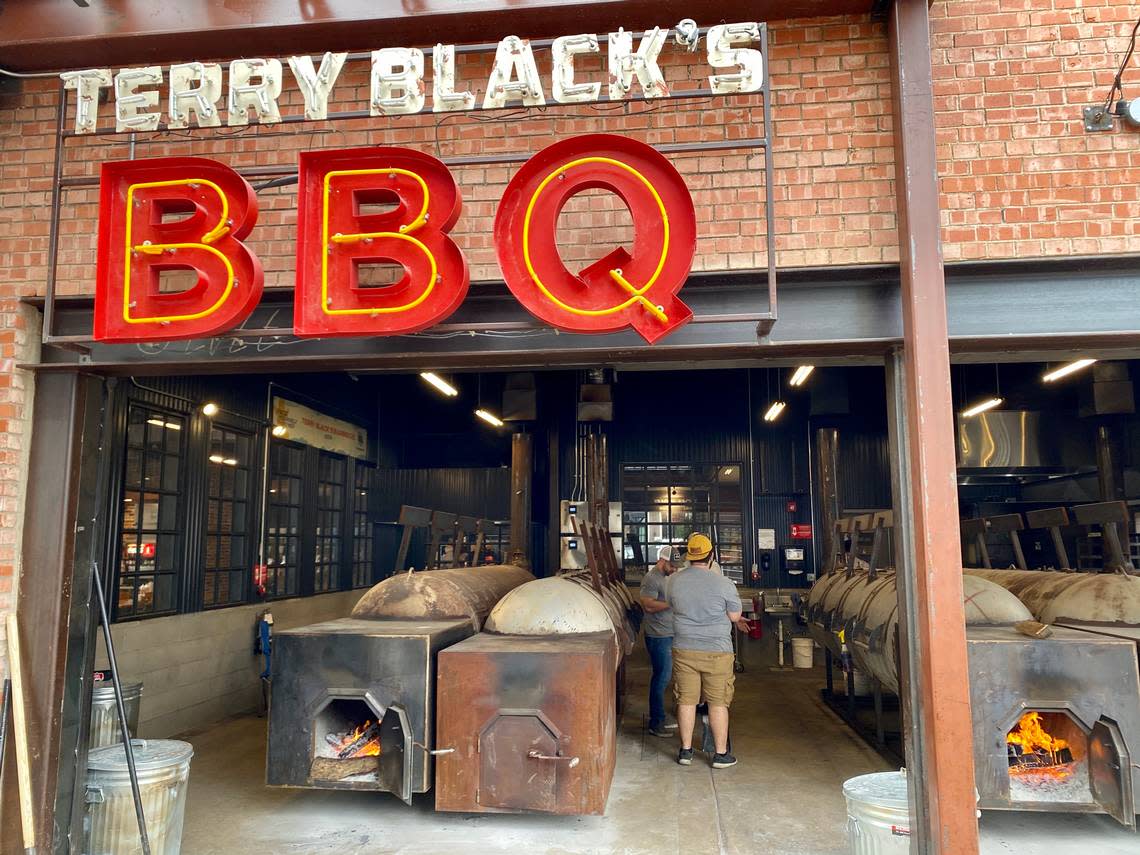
{"x":68,"y":179}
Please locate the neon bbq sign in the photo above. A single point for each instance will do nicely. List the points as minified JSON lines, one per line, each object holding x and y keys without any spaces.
{"x":367,"y":206}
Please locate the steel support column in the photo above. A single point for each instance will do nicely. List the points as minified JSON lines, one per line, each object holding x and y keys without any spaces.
{"x":935,"y":688}
{"x":827,"y":459}
{"x":63,"y":533}
{"x":522,"y":479}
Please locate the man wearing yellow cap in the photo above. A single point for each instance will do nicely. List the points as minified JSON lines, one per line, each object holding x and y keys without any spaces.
{"x":705,"y":606}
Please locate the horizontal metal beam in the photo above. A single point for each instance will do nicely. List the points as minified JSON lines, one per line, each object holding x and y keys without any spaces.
{"x":997,"y":311}
{"x":38,"y":35}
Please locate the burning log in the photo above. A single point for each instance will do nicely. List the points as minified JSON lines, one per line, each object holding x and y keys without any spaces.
{"x":364,"y":741}
{"x":335,"y":769}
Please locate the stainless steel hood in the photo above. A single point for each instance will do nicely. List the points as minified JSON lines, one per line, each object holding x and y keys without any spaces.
{"x":1021,"y":445}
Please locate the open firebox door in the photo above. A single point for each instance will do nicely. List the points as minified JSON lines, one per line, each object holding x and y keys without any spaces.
{"x":395,"y":773}
{"x":1110,"y":772}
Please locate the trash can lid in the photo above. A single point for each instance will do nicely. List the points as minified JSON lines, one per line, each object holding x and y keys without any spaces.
{"x":881,"y":788}
{"x":105,"y":690}
{"x":150,"y":755}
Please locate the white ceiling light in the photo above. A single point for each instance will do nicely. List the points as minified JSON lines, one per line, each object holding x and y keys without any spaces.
{"x":988,"y":404}
{"x":439,"y":383}
{"x":489,"y":418}
{"x":210,"y":409}
{"x":774,"y":411}
{"x":801,"y":374}
{"x":1066,"y":370}
{"x":280,"y":430}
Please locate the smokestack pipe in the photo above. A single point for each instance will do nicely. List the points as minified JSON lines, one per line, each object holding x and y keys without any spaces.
{"x":522,"y":477}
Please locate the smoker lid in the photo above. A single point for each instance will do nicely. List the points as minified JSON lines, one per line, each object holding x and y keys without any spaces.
{"x":887,"y":789}
{"x":150,"y":755}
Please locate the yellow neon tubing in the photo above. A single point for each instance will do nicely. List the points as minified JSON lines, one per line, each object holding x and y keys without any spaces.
{"x":402,"y":234}
{"x":155,"y":248}
{"x":638,"y":294}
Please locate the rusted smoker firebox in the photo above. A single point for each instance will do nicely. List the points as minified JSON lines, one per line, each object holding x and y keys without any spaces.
{"x":1079,"y":680}
{"x":352,"y":700}
{"x":527,"y":709}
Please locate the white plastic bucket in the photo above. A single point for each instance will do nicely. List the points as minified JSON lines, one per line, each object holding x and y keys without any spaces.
{"x":802,"y":651}
{"x":163,"y":767}
{"x":878,"y":814}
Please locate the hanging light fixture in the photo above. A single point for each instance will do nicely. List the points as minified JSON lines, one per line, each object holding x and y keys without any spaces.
{"x":489,"y":418}
{"x":279,"y":430}
{"x":988,"y":403}
{"x":800,"y":375}
{"x":439,"y":383}
{"x":774,"y":411}
{"x":210,"y":409}
{"x":1066,"y":370}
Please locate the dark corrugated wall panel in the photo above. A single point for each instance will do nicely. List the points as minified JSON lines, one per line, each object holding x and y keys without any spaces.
{"x":864,"y":470}
{"x":472,"y":492}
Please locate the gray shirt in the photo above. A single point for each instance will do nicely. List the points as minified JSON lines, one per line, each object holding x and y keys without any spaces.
{"x":658,"y":624}
{"x":701,"y":600}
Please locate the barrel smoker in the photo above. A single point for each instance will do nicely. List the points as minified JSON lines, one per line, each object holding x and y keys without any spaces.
{"x":352,"y":702}
{"x":527,"y":709}
{"x":1056,"y":718}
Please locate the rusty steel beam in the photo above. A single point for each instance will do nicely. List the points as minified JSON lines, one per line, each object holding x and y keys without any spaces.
{"x":61,"y":538}
{"x":522,"y":477}
{"x":37,"y":35}
{"x":936,"y":692}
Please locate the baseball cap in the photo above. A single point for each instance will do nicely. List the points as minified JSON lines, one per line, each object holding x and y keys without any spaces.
{"x":669,"y":553}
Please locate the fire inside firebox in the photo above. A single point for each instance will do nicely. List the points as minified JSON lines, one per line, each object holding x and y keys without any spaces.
{"x":346,"y":737}
{"x":1047,"y":754}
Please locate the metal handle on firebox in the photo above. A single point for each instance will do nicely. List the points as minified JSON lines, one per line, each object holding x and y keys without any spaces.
{"x":538,"y":755}
{"x":433,"y":752}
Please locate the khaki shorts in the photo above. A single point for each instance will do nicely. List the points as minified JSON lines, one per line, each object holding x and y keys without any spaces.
{"x":703,"y":673}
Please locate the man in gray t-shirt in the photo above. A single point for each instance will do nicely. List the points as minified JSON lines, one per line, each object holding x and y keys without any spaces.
{"x":705,"y":606}
{"x":659,"y":633}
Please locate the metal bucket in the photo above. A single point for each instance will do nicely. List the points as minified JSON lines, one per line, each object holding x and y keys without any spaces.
{"x":105,"y":728}
{"x":878,"y":814}
{"x":802,"y":651}
{"x":163,"y":767}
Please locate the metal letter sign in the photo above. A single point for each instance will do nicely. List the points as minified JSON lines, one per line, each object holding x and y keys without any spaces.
{"x":370,"y":206}
{"x":166,"y":214}
{"x":620,"y":289}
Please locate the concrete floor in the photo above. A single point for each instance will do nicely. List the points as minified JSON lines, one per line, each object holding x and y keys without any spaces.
{"x":784,"y":797}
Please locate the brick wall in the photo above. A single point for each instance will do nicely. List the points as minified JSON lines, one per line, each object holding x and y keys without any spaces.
{"x":1020,"y":178}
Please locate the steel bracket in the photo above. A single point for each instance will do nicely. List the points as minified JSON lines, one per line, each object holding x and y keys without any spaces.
{"x":1097,"y":119}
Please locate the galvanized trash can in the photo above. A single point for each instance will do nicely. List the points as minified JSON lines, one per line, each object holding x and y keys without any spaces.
{"x":878,"y":814}
{"x":105,"y":728}
{"x":164,"y":773}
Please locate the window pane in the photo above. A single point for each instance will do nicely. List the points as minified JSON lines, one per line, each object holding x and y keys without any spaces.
{"x":228,"y":563}
{"x":151,"y":512}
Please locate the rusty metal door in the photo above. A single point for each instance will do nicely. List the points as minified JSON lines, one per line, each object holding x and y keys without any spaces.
{"x":518,"y":762}
{"x":395,"y":772}
{"x":1110,"y":772}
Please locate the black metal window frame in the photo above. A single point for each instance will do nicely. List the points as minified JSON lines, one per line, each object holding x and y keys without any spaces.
{"x":164,"y":539}
{"x":363,"y":532}
{"x":231,"y":488}
{"x":238,"y":511}
{"x":285,"y":508}
{"x":329,"y":535}
{"x":725,"y":526}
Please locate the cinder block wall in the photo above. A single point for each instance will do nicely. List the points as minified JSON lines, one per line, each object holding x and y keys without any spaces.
{"x":197,"y":669}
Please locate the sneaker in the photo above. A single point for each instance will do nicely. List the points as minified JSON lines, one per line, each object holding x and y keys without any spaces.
{"x":723,"y":761}
{"x":662,"y":731}
{"x":671,"y":726}
{"x":685,"y":756}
